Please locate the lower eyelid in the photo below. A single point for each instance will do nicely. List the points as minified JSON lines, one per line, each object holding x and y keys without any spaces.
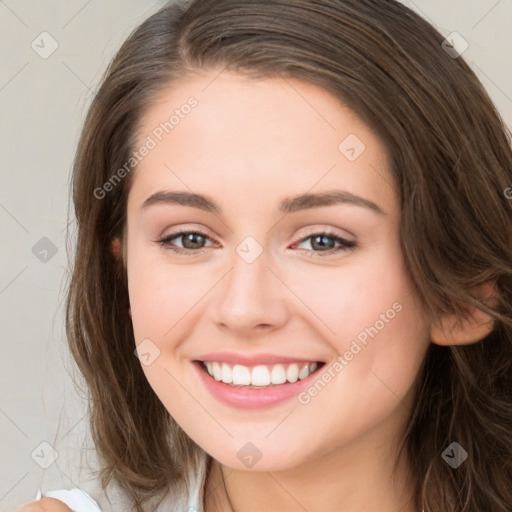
{"x":344,"y":244}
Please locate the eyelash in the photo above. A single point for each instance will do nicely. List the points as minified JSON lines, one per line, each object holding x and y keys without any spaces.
{"x":346,"y":245}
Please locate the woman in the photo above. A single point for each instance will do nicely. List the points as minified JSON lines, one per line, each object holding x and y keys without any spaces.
{"x":294,"y":213}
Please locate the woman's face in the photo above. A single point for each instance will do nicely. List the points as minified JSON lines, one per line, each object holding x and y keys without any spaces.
{"x":261,"y":278}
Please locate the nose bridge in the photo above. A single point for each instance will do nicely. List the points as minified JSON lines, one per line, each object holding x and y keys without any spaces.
{"x":250,"y":294}
{"x":247,"y":282}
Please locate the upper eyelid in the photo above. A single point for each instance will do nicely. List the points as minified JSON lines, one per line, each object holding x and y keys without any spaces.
{"x":182,"y":233}
{"x":318,"y":231}
{"x":309,"y":231}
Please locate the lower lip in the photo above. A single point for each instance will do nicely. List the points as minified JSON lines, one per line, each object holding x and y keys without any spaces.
{"x":244,"y":398}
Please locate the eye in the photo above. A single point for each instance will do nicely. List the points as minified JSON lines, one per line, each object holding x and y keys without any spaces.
{"x":324,"y":243}
{"x":192,"y":241}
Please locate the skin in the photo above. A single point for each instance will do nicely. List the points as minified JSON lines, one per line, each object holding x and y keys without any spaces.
{"x":45,"y":505}
{"x":248,"y":145}
{"x":282,"y":139}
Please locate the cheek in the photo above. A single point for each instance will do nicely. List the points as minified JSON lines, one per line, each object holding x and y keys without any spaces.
{"x":351,"y":296}
{"x":370,"y":314}
{"x":161,"y":300}
{"x":160,"y":294}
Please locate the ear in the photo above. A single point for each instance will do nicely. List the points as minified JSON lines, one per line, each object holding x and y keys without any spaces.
{"x":115,"y":247}
{"x":454,"y":330}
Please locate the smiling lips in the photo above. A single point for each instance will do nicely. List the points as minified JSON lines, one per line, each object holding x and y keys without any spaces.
{"x":255,"y":382}
{"x":259,"y":375}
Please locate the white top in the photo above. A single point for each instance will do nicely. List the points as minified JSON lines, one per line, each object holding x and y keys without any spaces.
{"x":76,"y":499}
{"x":80,"y":501}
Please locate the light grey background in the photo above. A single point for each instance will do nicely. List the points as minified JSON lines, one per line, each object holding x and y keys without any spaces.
{"x":42,"y":105}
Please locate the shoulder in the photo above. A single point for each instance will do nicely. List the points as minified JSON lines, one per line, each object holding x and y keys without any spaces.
{"x":46,"y":505}
{"x":62,"y":500}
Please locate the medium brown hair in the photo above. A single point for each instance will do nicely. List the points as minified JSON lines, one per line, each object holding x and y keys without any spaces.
{"x":451,"y":160}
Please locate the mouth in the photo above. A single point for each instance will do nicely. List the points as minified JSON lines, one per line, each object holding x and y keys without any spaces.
{"x":261,"y":376}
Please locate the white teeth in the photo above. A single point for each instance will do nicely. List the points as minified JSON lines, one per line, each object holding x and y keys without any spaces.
{"x":241,"y":375}
{"x":227,"y":374}
{"x":278,"y":375}
{"x":304,"y":372}
{"x":261,"y":375}
{"x":217,"y":373}
{"x":292,"y":374}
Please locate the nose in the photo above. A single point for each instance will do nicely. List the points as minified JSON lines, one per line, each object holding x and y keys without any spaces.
{"x":252,"y":299}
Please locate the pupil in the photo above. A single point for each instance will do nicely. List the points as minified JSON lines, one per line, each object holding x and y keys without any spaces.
{"x":194,"y":237}
{"x":325,"y":241}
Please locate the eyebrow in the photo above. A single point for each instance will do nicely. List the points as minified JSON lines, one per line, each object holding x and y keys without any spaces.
{"x":288,"y":205}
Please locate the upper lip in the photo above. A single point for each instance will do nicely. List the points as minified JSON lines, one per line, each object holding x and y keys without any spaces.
{"x":254,"y":359}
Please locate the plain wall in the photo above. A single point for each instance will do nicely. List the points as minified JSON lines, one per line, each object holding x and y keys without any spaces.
{"x":42,"y":105}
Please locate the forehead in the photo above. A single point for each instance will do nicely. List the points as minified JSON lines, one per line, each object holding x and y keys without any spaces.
{"x":256,"y":137}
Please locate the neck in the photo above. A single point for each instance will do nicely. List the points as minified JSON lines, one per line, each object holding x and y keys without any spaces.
{"x":358,"y":476}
